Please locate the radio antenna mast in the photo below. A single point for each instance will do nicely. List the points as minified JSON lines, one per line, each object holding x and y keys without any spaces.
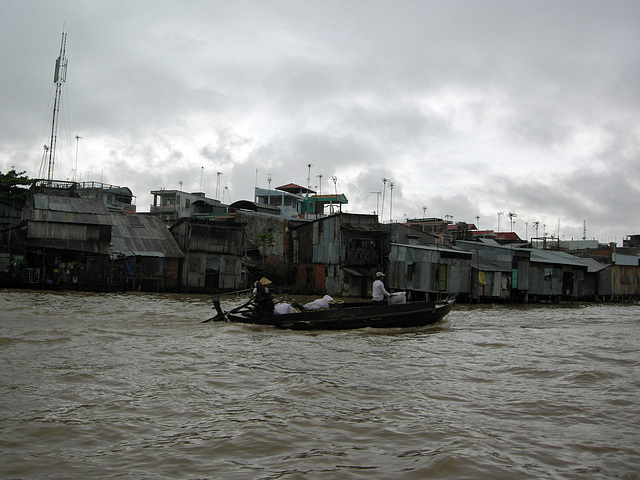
{"x":59,"y":77}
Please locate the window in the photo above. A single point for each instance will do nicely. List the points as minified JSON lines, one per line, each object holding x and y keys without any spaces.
{"x":441,"y":278}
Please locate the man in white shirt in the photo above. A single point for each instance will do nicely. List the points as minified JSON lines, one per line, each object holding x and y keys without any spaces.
{"x":379,"y":292}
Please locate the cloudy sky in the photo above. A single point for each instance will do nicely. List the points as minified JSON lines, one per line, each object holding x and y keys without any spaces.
{"x":468,"y":108}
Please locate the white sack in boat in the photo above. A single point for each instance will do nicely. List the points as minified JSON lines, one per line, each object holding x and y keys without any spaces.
{"x":283,"y":309}
{"x":396,"y":298}
{"x":319,"y":303}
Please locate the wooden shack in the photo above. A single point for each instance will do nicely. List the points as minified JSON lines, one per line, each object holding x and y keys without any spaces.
{"x":213,"y":254}
{"x":620,"y":281}
{"x":429,"y":271}
{"x":66,"y":241}
{"x":144,"y":255}
{"x":494,"y":268}
{"x":339,"y":254}
{"x":552,"y":276}
{"x":490,"y":282}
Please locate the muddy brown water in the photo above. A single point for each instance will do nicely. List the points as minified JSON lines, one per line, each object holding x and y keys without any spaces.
{"x":119,"y":386}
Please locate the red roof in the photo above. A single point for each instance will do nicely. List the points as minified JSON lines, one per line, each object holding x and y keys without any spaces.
{"x":507,"y":236}
{"x":293,"y":188}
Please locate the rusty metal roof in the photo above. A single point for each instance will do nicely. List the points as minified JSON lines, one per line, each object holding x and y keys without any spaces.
{"x":135,"y":235}
{"x":53,"y":208}
{"x":69,"y":204}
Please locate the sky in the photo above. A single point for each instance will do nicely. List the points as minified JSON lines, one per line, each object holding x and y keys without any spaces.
{"x":465,"y":110}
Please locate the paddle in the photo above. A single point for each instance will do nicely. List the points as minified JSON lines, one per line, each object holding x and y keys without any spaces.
{"x":222,"y":315}
{"x":218,"y":317}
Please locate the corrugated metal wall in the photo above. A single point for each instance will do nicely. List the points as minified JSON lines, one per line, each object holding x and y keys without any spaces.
{"x":424,"y":270}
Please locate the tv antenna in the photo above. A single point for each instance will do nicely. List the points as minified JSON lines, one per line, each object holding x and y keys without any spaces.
{"x":511,"y":217}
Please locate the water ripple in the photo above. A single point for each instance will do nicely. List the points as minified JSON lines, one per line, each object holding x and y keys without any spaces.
{"x":134,"y":386}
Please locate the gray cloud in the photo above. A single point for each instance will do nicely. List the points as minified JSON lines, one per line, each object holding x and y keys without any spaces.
{"x":468,"y":107}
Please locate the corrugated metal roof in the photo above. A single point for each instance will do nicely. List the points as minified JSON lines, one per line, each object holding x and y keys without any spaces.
{"x":56,"y":203}
{"x":435,"y":248}
{"x":355,"y":272}
{"x":486,"y":266}
{"x":142,"y":236}
{"x":547,"y":256}
{"x":593,"y":265}
{"x":489,"y":241}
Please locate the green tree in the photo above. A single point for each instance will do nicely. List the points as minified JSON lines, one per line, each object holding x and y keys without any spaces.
{"x":262,"y":241}
{"x":14,"y":187}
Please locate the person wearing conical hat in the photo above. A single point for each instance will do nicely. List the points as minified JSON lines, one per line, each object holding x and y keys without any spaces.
{"x":263,"y":299}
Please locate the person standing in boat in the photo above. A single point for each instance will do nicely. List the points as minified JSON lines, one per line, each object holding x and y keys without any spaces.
{"x":380,"y":294}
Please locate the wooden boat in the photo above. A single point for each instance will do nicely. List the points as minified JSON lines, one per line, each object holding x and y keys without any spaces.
{"x":339,"y":316}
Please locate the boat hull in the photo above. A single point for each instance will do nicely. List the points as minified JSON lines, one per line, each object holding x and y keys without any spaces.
{"x":351,"y":316}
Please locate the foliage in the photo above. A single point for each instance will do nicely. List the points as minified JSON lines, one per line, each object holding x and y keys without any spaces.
{"x":14,"y":187}
{"x":462,"y":231}
{"x":281,"y":274}
{"x":262,"y":241}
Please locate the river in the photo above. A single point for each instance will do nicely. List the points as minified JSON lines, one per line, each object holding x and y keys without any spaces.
{"x":134,"y":386}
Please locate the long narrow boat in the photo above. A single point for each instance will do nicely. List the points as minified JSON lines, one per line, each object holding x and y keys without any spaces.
{"x":343,"y":315}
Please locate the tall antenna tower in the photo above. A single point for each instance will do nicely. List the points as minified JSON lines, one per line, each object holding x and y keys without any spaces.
{"x":59,"y":77}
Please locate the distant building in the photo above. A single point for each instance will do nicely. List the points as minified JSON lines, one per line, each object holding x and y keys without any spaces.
{"x":401,"y":233}
{"x":435,"y":226}
{"x":545,"y":243}
{"x":462,"y":231}
{"x":477,"y":234}
{"x":505,"y":238}
{"x":172,"y":205}
{"x":115,"y":198}
{"x":572,"y":245}
{"x":316,"y":206}
{"x":288,"y":198}
{"x":632,"y":241}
